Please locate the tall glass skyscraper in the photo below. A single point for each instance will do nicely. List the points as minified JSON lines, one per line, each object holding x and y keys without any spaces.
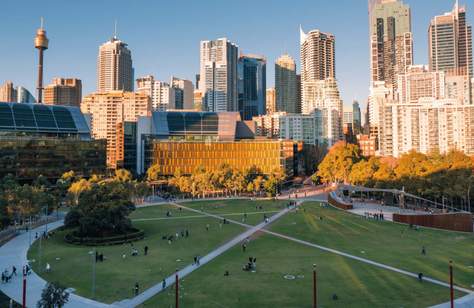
{"x":252,"y":77}
{"x":218,"y":75}
{"x":285,"y":84}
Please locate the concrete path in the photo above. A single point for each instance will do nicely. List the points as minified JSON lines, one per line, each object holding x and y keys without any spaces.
{"x":149,"y":293}
{"x":15,"y":253}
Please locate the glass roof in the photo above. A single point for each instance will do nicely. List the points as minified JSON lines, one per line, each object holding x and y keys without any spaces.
{"x":41,"y":118}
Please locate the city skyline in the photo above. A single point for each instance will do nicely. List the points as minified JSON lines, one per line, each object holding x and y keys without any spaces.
{"x":161,"y":52}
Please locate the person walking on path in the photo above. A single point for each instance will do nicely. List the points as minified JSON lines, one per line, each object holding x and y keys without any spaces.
{"x":137,"y":288}
{"x":146,"y":250}
{"x":163,"y":284}
{"x":13,"y":270}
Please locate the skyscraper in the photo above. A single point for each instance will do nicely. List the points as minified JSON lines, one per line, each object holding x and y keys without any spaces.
{"x":64,"y":91}
{"x":356,"y":118}
{"x":8,"y":93}
{"x":419,"y":82}
{"x":318,"y":53}
{"x":450,"y":42}
{"x":252,"y":76}
{"x":285,"y":84}
{"x":162,"y":95}
{"x":114,"y":67}
{"x":391,"y":40}
{"x":218,"y":75}
{"x":183,"y":93}
{"x":24,"y":96}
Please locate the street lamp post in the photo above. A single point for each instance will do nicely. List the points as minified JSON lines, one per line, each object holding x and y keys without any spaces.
{"x":315,"y":293}
{"x":92,"y":253}
{"x":451,"y":289}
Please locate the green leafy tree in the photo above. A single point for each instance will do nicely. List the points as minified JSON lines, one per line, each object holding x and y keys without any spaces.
{"x":53,"y":295}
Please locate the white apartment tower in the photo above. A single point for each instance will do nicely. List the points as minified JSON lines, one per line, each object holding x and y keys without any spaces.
{"x":218,"y":75}
{"x":162,"y":95}
{"x":114,"y":67}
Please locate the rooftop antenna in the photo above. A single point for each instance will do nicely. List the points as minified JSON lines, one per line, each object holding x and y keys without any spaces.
{"x":42,"y":22}
{"x":115,"y":29}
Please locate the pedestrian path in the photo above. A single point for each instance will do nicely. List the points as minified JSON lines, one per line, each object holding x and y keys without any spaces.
{"x":149,"y":293}
{"x":14,"y":253}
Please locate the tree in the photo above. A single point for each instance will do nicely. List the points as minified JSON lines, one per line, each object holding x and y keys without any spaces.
{"x":154,"y":173}
{"x":337,"y":164}
{"x":77,"y":188}
{"x":363,"y":171}
{"x":123,"y":175}
{"x":53,"y":295}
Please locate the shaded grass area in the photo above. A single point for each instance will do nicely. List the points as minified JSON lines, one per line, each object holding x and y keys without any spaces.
{"x":382,"y":241}
{"x":116,"y":276}
{"x":5,"y":301}
{"x":356,"y":284}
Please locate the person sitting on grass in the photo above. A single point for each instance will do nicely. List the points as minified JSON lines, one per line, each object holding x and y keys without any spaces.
{"x":134,"y":252}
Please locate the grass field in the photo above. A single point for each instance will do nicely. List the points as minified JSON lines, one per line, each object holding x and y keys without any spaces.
{"x":117,"y":276}
{"x":235,"y":209}
{"x":356,"y":284}
{"x":385,"y":242}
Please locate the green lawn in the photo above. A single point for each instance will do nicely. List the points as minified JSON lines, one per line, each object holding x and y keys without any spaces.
{"x":386,"y":242}
{"x":235,"y":209}
{"x":356,"y":284}
{"x":116,"y":276}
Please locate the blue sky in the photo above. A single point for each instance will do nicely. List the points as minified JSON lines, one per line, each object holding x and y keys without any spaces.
{"x":164,"y":35}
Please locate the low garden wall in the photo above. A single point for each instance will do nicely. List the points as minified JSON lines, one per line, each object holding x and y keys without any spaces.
{"x":336,"y":202}
{"x":448,"y":221}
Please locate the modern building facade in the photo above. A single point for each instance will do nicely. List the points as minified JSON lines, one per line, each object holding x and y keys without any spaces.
{"x":63,"y":91}
{"x":252,"y":85}
{"x":183,"y":93}
{"x":36,"y":139}
{"x":285,"y":84}
{"x":357,"y":118}
{"x":162,"y":95}
{"x":218,"y":75}
{"x":270,"y":101}
{"x":450,"y":42}
{"x":114,"y":67}
{"x":419,"y":82}
{"x":391,"y":40}
{"x":108,"y":112}
{"x":429,"y":126}
{"x":24,"y":96}
{"x":8,"y":93}
{"x":187,"y":140}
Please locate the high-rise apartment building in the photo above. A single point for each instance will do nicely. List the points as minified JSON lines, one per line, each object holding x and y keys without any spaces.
{"x":318,"y":54}
{"x":419,"y":82}
{"x":162,"y":95}
{"x":218,"y":75}
{"x":391,"y":40}
{"x":197,"y":100}
{"x":285,"y":84}
{"x":450,"y":42}
{"x":63,"y":91}
{"x":108,"y":112}
{"x":430,"y":126}
{"x":252,"y":84}
{"x":8,"y":93}
{"x":320,"y":94}
{"x":183,"y":93}
{"x":114,"y":67}
{"x":270,"y":101}
{"x":298,"y":93}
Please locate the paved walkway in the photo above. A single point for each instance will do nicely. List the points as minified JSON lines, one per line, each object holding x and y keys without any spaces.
{"x":149,"y":293}
{"x":15,"y":253}
{"x":203,"y":215}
